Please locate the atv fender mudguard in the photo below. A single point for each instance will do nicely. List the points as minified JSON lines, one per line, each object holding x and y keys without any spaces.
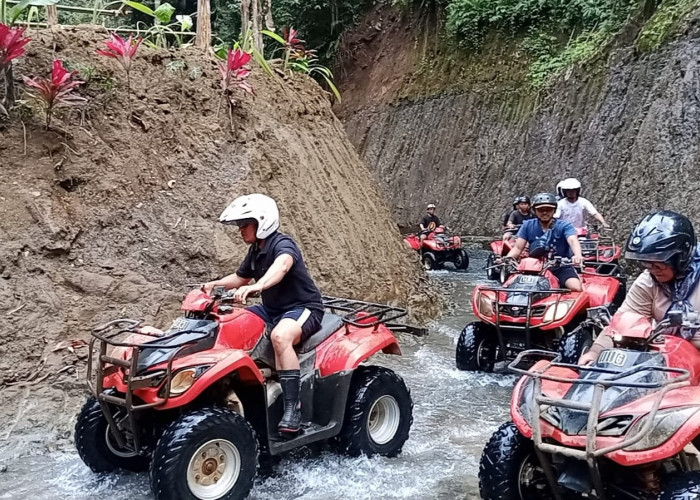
{"x":346,"y":349}
{"x":223,"y":363}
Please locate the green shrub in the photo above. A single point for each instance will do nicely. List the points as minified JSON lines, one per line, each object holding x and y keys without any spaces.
{"x":664,"y":22}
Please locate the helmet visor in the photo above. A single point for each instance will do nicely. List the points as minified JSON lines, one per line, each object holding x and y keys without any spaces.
{"x":664,"y":256}
{"x":240,"y":222}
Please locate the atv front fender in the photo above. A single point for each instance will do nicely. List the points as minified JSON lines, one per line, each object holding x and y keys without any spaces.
{"x":346,"y":351}
{"x":228,"y":363}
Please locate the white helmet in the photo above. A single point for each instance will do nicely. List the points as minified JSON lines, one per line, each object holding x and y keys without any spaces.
{"x":254,"y":206}
{"x":569,"y":184}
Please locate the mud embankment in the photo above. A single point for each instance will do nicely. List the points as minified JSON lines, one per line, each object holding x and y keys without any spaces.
{"x":104,"y":216}
{"x":626,"y":126}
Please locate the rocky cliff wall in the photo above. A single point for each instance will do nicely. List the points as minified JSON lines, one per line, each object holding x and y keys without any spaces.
{"x":627,"y":126}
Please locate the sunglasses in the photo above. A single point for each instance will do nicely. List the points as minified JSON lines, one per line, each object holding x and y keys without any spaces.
{"x":654,"y":266}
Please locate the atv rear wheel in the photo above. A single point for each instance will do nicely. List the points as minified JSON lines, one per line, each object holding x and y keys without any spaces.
{"x":429,"y":261}
{"x":573,"y":344}
{"x":210,"y":453}
{"x":461,"y":259}
{"x":491,"y":274}
{"x":681,"y":486}
{"x":476,"y":348}
{"x":97,"y":446}
{"x":379,"y":414}
{"x":509,"y":469}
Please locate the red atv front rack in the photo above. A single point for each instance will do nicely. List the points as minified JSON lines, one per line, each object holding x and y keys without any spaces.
{"x":498,"y":310}
{"x":132,"y":380}
{"x":591,"y":453}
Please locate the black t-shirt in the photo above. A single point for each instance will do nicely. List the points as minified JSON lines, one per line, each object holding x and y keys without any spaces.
{"x":517,"y":217}
{"x":430,"y":222}
{"x":296,"y":289}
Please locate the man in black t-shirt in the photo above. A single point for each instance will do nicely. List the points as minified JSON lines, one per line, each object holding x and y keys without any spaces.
{"x":516,"y":218}
{"x":430,"y":222}
{"x":291,"y":302}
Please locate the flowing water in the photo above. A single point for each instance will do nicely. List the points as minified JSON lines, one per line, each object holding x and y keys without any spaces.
{"x":454,"y":415}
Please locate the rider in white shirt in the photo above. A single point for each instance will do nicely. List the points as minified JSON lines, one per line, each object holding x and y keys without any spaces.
{"x":572,"y":207}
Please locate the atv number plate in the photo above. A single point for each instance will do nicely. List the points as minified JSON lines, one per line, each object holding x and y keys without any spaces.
{"x":612,"y":357}
{"x":179,"y":324}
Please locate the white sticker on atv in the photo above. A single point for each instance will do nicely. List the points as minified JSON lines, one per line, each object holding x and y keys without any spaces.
{"x":617,"y":358}
{"x":528,"y":279}
{"x":179,"y":324}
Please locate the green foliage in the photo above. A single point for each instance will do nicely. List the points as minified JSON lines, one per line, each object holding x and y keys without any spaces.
{"x":550,"y":63}
{"x":11,"y":15}
{"x":469,"y":20}
{"x":664,"y":22}
{"x":162,"y":31}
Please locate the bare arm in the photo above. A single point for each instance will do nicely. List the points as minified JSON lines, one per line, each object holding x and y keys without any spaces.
{"x":517,"y":248}
{"x":230,"y":281}
{"x":575,"y":248}
{"x":274,"y":275}
{"x":600,"y":219}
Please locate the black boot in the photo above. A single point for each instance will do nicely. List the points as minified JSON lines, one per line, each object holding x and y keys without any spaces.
{"x":291,"y":420}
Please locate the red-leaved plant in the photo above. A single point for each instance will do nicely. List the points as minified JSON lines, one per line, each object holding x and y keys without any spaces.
{"x":56,"y":90}
{"x":12,"y":42}
{"x":123,"y":51}
{"x":234,"y":73}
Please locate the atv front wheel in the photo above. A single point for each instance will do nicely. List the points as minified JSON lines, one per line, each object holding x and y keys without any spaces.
{"x":509,"y":469}
{"x":491,"y":273}
{"x":573,"y":344}
{"x":476,"y":348}
{"x":210,"y":453}
{"x":429,"y":261}
{"x":379,"y":414}
{"x":461,"y":259}
{"x":97,"y":446}
{"x":681,"y":486}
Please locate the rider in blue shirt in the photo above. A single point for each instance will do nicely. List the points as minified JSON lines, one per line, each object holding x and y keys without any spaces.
{"x":549,"y":236}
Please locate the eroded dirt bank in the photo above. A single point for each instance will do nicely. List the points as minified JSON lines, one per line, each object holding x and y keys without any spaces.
{"x":626,"y":126}
{"x":105,"y":217}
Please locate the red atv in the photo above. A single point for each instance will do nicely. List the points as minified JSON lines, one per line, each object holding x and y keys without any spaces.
{"x":626,"y":426}
{"x":499,"y":249}
{"x":598,"y":247}
{"x":199,"y":403}
{"x":438,"y":248}
{"x":531,"y":310}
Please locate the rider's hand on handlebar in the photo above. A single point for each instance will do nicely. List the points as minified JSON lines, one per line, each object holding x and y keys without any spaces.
{"x":243,"y":292}
{"x":577,"y":260}
{"x":209,"y":287}
{"x":587,"y":358}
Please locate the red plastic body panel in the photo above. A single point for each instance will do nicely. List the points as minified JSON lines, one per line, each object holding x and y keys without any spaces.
{"x":430,"y":243}
{"x":679,"y":353}
{"x":349,"y":346}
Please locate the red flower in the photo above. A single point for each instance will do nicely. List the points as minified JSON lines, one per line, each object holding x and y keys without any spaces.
{"x":12,"y":44}
{"x":234,"y":72}
{"x":55,"y":90}
{"x":291,"y":40}
{"x":121,"y":50}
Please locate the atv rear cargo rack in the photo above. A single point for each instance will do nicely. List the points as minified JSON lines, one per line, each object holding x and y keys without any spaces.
{"x":104,"y":336}
{"x":363,"y":314}
{"x":590,"y":454}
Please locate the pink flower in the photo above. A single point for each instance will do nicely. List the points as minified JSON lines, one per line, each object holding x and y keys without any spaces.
{"x":234,"y":72}
{"x":121,"y":50}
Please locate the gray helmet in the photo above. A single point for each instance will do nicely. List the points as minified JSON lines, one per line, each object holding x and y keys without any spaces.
{"x":544,"y":200}
{"x":663,"y":237}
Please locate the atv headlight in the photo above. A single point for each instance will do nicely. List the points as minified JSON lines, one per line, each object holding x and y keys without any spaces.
{"x":666,"y":423}
{"x":183,"y":379}
{"x":525,"y":403}
{"x":557,"y":311}
{"x":485,"y":305}
{"x":608,"y":253}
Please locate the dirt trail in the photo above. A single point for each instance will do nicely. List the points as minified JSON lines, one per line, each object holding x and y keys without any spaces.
{"x":103,"y":217}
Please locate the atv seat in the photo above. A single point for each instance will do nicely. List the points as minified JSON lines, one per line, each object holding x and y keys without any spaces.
{"x":329,"y":325}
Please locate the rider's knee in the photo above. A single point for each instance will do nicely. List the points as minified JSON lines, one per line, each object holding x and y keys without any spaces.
{"x":574,"y":285}
{"x":280,"y":340}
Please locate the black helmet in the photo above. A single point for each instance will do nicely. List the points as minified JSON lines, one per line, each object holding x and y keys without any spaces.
{"x":515,"y":202}
{"x":522,"y":199}
{"x":663,"y":237}
{"x":544,"y":200}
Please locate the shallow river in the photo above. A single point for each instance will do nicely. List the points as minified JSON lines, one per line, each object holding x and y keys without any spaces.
{"x":455,"y":413}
